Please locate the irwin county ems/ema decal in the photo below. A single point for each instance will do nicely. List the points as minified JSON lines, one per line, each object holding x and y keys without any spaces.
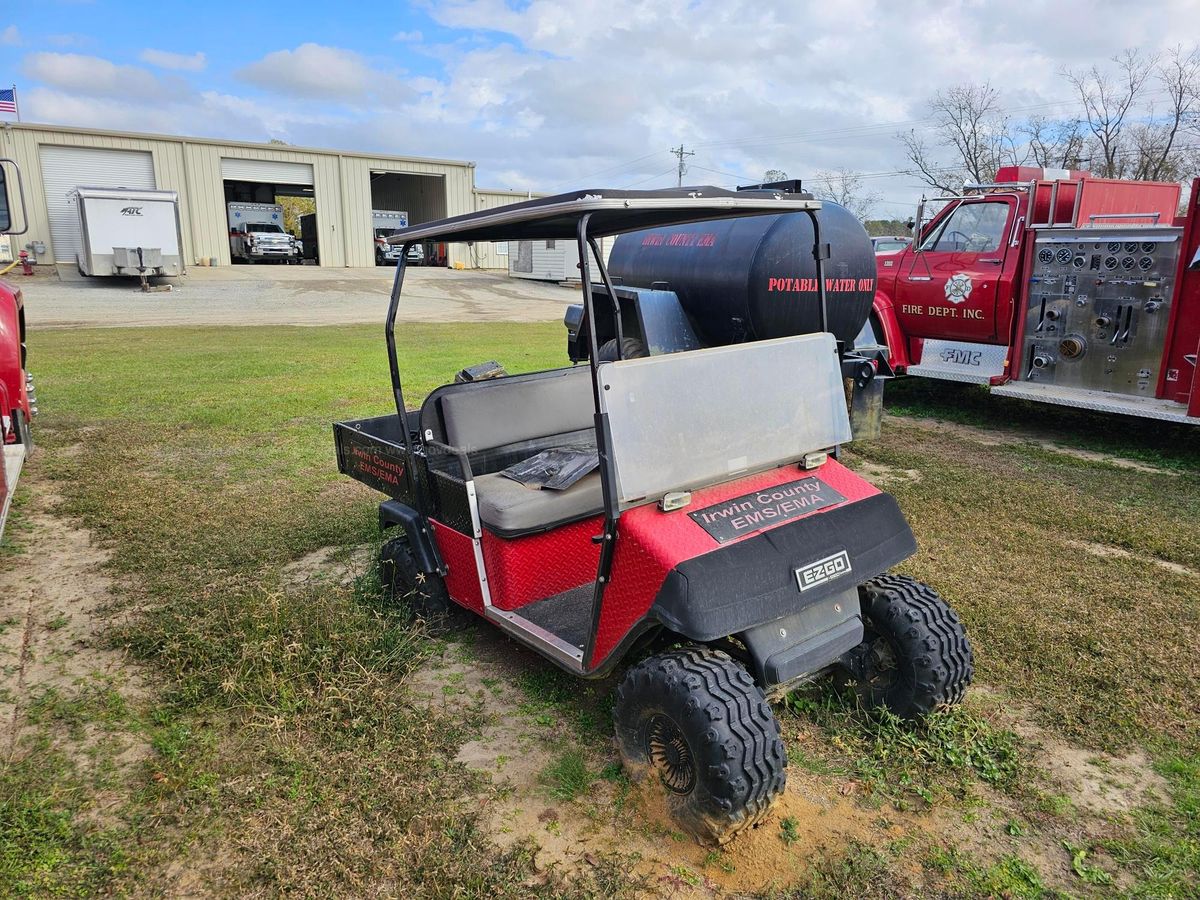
{"x":730,"y":519}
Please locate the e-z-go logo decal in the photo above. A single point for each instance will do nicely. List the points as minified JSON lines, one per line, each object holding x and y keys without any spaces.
{"x":958,"y":287}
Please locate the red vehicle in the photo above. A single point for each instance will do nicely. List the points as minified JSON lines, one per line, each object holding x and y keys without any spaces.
{"x":1054,"y":286}
{"x":17,"y":401}
{"x":677,"y":498}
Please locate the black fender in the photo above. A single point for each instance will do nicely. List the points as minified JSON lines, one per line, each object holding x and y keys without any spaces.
{"x":420,"y":537}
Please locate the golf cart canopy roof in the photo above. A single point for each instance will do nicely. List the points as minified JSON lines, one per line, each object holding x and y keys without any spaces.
{"x":612,"y":212}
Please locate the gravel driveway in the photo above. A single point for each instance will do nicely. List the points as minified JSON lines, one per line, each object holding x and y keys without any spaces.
{"x":289,"y":295}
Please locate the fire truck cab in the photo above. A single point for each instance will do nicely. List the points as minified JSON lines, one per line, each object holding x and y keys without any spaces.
{"x":1054,"y":286}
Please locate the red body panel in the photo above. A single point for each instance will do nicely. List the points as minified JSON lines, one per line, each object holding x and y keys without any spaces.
{"x":525,"y":569}
{"x":925,"y":307}
{"x":12,"y":367}
{"x":650,"y":543}
{"x":1179,"y":379}
{"x":462,"y":575}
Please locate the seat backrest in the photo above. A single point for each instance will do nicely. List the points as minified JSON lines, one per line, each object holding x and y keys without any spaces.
{"x":500,"y":411}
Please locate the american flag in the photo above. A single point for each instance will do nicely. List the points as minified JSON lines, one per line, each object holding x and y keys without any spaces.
{"x":8,"y":100}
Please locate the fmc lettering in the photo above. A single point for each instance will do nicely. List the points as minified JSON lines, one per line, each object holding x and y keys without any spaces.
{"x":749,"y":513}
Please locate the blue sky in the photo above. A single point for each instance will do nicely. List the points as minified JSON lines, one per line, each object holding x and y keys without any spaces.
{"x":555,"y":94}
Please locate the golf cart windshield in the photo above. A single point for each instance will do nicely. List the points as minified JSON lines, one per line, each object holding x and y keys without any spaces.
{"x":686,"y":420}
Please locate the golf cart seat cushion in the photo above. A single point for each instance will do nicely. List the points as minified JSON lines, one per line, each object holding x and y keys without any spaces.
{"x":497,"y":412}
{"x":510,"y":509}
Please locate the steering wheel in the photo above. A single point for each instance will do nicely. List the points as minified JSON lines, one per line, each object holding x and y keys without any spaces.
{"x":966,"y":241}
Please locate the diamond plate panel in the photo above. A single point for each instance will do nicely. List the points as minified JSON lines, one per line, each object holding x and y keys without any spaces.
{"x":961,"y":361}
{"x":522,"y":570}
{"x":462,"y":576}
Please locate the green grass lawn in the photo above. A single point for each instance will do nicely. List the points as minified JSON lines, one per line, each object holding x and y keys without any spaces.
{"x":286,"y":754}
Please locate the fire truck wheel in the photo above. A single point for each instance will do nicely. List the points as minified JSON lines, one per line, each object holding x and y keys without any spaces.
{"x":631,"y":348}
{"x":694,"y":719}
{"x":402,"y":580}
{"x":919,"y":657}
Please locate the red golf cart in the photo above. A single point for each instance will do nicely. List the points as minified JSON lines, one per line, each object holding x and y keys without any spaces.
{"x":684,"y":509}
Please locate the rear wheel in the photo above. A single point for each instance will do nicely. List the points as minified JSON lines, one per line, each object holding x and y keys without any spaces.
{"x":695,"y":720}
{"x":917,"y":657}
{"x":631,"y":348}
{"x":402,"y":579}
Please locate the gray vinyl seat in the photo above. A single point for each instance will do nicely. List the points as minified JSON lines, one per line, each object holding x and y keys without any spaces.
{"x":526,"y":411}
{"x":510,"y":509}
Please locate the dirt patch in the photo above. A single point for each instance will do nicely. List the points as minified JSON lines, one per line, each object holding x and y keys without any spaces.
{"x":327,"y":566}
{"x":1110,"y":552}
{"x":51,"y":599}
{"x":996,"y":437}
{"x":880,"y":474}
{"x":516,"y":746}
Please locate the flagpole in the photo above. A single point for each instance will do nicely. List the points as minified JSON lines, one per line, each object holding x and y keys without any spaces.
{"x":16,"y":105}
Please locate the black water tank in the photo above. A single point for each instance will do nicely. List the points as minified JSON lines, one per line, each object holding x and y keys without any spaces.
{"x":754,"y":278}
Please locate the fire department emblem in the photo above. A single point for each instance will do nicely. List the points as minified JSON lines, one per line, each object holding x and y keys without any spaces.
{"x":958,"y":287}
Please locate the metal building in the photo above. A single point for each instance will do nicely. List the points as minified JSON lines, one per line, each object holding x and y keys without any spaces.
{"x":209,"y":173}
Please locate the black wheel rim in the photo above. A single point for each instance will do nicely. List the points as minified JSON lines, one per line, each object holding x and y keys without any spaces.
{"x":883,"y":667}
{"x":670,"y":754}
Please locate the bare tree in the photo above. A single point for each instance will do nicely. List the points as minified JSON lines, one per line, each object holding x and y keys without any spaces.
{"x":844,"y":188}
{"x":774,"y":175}
{"x":1108,"y":101}
{"x":1179,"y":75}
{"x":1053,"y":144}
{"x":972,"y":131}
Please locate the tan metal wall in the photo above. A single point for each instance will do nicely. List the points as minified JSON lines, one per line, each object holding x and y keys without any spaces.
{"x":484,"y":256}
{"x":192,"y":167}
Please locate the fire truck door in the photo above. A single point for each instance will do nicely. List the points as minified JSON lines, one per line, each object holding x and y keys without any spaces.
{"x":949,"y":288}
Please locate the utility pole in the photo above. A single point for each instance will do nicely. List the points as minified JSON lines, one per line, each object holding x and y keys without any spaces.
{"x":681,"y":153}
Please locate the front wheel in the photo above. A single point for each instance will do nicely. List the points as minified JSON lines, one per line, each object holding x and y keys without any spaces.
{"x":916,"y":657}
{"x":694,"y":719}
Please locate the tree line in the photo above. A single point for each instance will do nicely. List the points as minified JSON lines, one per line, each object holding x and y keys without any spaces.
{"x":1136,"y":116}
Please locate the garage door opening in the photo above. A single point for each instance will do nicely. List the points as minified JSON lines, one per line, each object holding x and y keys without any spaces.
{"x":269,"y":205}
{"x":421,"y":197}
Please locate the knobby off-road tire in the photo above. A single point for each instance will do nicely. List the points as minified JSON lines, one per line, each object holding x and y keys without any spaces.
{"x":631,"y":348}
{"x":695,"y":719}
{"x":403,"y":580}
{"x":921,"y":658}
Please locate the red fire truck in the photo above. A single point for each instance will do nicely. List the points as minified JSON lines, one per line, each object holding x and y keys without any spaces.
{"x":17,"y":401}
{"x":1054,"y":286}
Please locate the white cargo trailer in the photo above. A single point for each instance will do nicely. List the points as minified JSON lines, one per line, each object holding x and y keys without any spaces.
{"x":549,"y":260}
{"x":128,"y":232}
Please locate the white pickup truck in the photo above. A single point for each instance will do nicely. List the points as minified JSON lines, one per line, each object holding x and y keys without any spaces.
{"x":256,"y":232}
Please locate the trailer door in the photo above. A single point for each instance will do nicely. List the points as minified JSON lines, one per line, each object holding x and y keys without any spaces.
{"x":952,"y":287}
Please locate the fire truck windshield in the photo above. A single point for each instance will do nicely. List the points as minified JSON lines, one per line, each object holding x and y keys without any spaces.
{"x":973,"y":227}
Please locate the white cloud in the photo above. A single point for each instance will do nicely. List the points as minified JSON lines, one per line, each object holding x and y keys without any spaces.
{"x":165,"y":59}
{"x":313,"y":70}
{"x":95,"y":77}
{"x":10,"y":36}
{"x":547,"y":94}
